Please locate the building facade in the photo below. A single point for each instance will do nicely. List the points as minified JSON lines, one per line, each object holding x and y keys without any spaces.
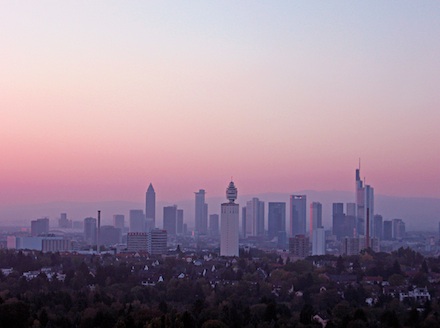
{"x":298,"y":206}
{"x":276,"y":220}
{"x":170,"y":220}
{"x":137,"y":221}
{"x":255,"y":218}
{"x":157,"y":242}
{"x":90,"y":231}
{"x":201,"y":213}
{"x":315,"y":217}
{"x":150,"y":208}
{"x":40,"y":227}
{"x":229,"y":223}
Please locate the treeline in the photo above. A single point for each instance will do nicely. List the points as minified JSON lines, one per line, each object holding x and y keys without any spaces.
{"x":264,"y":292}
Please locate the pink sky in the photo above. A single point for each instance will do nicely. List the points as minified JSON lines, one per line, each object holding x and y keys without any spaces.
{"x":98,"y":100}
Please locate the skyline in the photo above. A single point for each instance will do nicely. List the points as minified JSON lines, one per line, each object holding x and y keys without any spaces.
{"x":100,"y":99}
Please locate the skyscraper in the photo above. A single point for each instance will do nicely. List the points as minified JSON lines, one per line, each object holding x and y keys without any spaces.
{"x":387,"y":230}
{"x":276,"y":219}
{"x":338,"y":217}
{"x":255,"y":217}
{"x":119,"y":221}
{"x":201,"y":213}
{"x":170,"y":220}
{"x":298,"y":205}
{"x":398,"y":229}
{"x":315,"y":217}
{"x":229,"y":223}
{"x":214,"y":225}
{"x":150,"y":208}
{"x":40,"y":227}
{"x":90,"y":231}
{"x":243,"y":222}
{"x":350,"y":220}
{"x":63,"y":222}
{"x":364,"y":201}
{"x":137,"y":221}
{"x":179,"y":228}
{"x":377,"y":226}
{"x":109,"y":235}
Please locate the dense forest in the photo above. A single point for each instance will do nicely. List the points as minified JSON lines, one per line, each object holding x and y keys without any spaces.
{"x":181,"y":290}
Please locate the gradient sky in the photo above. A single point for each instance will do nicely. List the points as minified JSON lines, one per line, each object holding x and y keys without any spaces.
{"x":100,"y":98}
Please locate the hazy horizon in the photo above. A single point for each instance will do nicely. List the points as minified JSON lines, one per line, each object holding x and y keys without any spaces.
{"x":418,"y":213}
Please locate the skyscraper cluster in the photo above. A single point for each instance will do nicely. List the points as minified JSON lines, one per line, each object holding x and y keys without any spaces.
{"x":354,"y":225}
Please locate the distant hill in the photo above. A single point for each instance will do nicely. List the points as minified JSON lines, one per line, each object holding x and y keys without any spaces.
{"x":418,"y":213}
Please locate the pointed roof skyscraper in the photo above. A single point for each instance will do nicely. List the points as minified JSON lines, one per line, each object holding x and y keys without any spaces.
{"x":150,"y":208}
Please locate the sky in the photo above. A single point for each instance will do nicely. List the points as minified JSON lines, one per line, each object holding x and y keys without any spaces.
{"x":100,"y":98}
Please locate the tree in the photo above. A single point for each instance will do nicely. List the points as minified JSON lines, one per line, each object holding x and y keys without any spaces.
{"x":340,"y":265}
{"x":307,"y":312}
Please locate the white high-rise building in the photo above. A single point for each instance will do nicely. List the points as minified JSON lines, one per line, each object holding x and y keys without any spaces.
{"x":229,"y":223}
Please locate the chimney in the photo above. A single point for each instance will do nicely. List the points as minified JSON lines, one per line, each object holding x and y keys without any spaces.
{"x":99,"y":232}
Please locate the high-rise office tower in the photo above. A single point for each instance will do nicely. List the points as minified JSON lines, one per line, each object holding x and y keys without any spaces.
{"x":315,"y":217}
{"x":338,"y":217}
{"x":229,"y":223}
{"x":179,"y":228}
{"x":255,"y":217}
{"x":243,"y":222}
{"x":137,"y":221}
{"x":170,"y":219}
{"x":350,"y":220}
{"x":201,"y":213}
{"x":119,"y":221}
{"x":90,"y":231}
{"x":377,"y":226}
{"x":63,"y":222}
{"x":387,"y":230}
{"x":150,"y":208}
{"x":364,"y":201}
{"x":276,"y":220}
{"x":398,"y":229}
{"x":109,"y":235}
{"x":40,"y":227}
{"x":298,"y":205}
{"x":214,"y":225}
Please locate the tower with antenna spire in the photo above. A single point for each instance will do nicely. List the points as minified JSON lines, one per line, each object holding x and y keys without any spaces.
{"x":229,"y":223}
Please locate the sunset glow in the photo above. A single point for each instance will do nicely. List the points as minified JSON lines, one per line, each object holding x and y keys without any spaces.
{"x":98,"y":99}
